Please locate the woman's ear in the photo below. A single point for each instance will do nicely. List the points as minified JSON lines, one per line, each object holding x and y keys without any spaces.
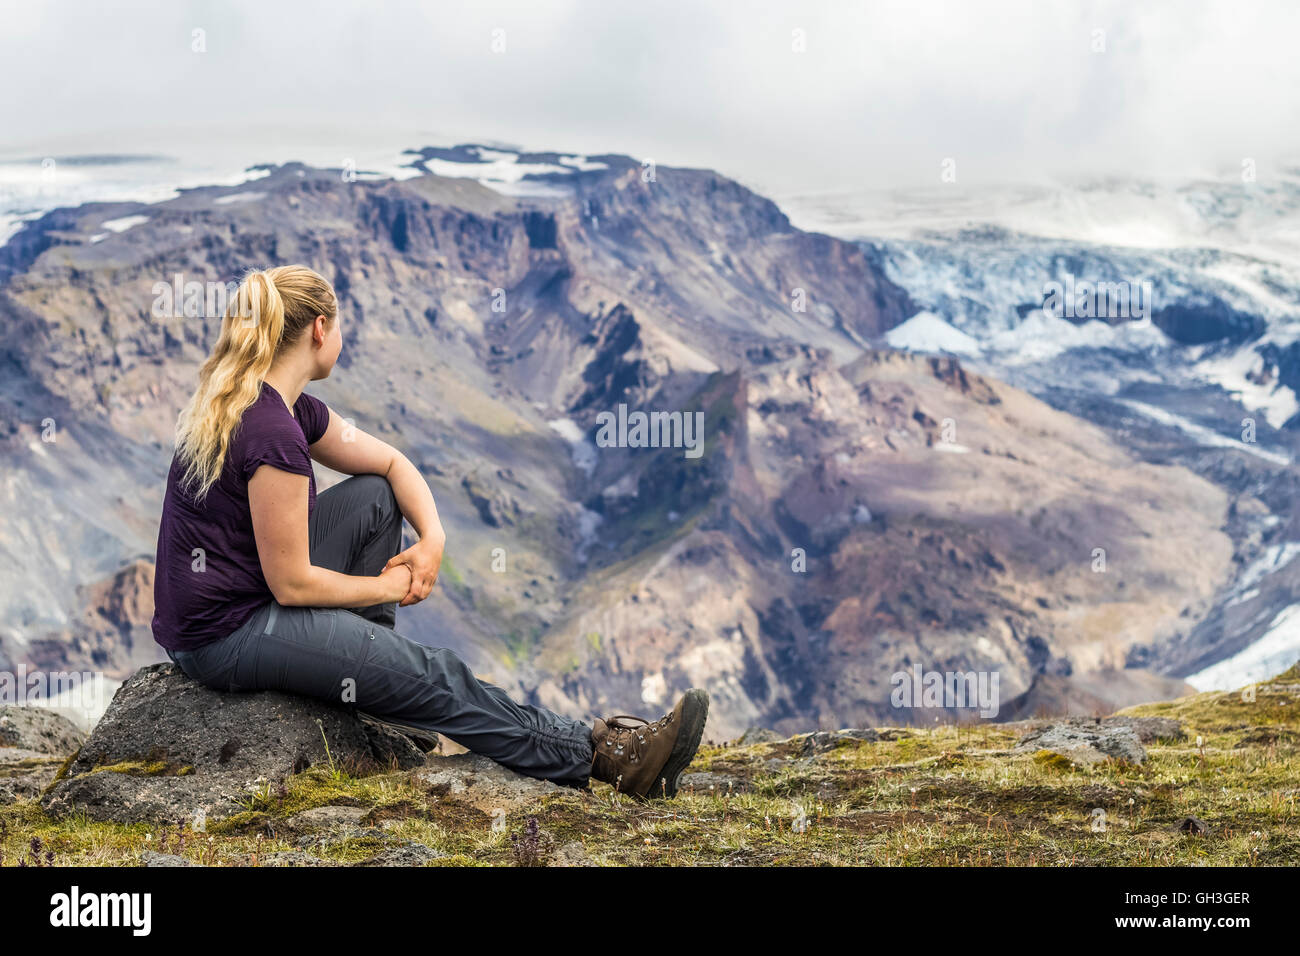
{"x":320,"y":328}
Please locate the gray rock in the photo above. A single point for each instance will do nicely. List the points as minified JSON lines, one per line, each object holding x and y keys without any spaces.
{"x":425,"y":740}
{"x":338,"y":836}
{"x":776,"y":764}
{"x":862,"y":733}
{"x":495,"y":507}
{"x":24,"y":774}
{"x":758,"y":735}
{"x":408,"y":854}
{"x":481,"y":782}
{"x":713,"y":782}
{"x":326,"y":818}
{"x":168,"y":749}
{"x":824,"y":740}
{"x":572,"y":853}
{"x":1086,"y":745}
{"x":39,"y":729}
{"x":1150,"y":729}
{"x":1191,"y":825}
{"x":150,"y":858}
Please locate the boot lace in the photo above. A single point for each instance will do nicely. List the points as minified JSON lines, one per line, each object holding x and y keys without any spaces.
{"x":627,"y":735}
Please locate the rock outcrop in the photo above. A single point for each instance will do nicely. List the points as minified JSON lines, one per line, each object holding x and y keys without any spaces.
{"x":481,"y":782}
{"x":169,"y":749}
{"x":34,"y":741}
{"x":38,"y":729}
{"x":1088,"y":744}
{"x":25,"y":773}
{"x":823,"y":740}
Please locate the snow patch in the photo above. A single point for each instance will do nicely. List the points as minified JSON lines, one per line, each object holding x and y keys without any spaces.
{"x":583,"y":451}
{"x":503,"y":172}
{"x":588,"y":522}
{"x":1043,"y":336}
{"x":125,"y":223}
{"x":1203,"y":435}
{"x":238,"y":197}
{"x":1275,"y":402}
{"x":927,"y":332}
{"x":1274,"y":558}
{"x":582,"y":164}
{"x":1273,"y":653}
{"x":653,"y":688}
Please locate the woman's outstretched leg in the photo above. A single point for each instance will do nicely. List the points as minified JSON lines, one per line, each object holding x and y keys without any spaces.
{"x":340,"y":657}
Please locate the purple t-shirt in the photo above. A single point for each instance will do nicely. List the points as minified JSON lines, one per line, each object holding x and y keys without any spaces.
{"x":208,"y":579}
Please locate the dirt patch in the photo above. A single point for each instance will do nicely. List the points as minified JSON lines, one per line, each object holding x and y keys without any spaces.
{"x":1267,"y":737}
{"x":398,"y":810}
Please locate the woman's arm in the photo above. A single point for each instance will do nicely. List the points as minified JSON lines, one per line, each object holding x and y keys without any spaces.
{"x":277,"y":501}
{"x":348,"y":449}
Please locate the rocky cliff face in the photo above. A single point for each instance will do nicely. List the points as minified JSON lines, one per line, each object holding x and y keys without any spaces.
{"x":852,"y":513}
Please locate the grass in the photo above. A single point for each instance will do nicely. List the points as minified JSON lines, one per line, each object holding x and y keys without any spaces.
{"x":944,"y":795}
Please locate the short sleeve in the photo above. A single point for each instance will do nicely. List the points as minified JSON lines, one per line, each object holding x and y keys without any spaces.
{"x":279,"y":444}
{"x":313,"y":415}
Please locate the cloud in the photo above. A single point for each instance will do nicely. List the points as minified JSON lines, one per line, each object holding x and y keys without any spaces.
{"x":1011,"y":91}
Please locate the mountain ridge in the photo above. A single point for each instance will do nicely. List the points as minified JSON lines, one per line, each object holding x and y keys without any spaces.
{"x":678,"y":293}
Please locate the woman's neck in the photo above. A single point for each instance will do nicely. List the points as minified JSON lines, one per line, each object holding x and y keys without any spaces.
{"x":288,"y":381}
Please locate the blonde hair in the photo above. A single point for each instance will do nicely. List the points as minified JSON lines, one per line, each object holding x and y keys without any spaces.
{"x":270,"y":310}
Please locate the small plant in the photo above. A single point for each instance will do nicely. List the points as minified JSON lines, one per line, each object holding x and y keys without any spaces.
{"x":208,"y":853}
{"x":37,"y":855}
{"x":532,"y":848}
{"x":328,"y":756}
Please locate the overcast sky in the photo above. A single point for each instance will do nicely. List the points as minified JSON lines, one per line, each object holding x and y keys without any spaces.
{"x":1012,"y":91}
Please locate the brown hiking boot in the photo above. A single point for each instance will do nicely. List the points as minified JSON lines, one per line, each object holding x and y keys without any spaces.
{"x":645,"y":759}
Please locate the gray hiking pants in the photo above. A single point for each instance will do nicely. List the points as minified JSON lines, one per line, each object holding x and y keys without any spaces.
{"x":355,"y":659}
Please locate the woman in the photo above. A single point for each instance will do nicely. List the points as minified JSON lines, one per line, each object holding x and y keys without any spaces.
{"x":260,"y":586}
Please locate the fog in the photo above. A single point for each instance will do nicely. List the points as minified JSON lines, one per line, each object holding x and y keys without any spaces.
{"x":881,"y":94}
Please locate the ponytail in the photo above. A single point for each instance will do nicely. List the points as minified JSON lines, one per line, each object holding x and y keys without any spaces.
{"x":271,"y":309}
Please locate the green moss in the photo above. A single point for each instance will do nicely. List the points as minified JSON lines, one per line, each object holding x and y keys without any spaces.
{"x":250,"y":821}
{"x":137,"y":768}
{"x":63,"y":770}
{"x":1051,"y":760}
{"x":1268,"y":703}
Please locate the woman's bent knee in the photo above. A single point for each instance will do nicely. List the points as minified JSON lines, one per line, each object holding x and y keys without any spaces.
{"x":375,"y":488}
